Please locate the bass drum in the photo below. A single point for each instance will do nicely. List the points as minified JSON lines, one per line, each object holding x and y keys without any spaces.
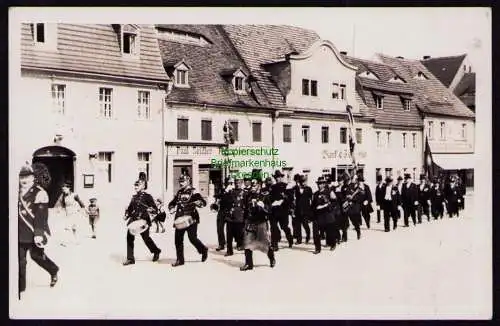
{"x":137,"y":227}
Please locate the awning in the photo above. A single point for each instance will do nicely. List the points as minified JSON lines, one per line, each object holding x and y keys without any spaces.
{"x":454,"y":161}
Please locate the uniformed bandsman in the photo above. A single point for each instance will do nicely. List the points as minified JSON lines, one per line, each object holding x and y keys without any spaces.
{"x":325,"y":208}
{"x":224,"y":203}
{"x":409,"y":200}
{"x":302,"y":194}
{"x":437,"y":200}
{"x":340,"y":193}
{"x":33,"y":228}
{"x":256,"y":227}
{"x":280,"y":206}
{"x":390,"y":204}
{"x":185,"y":202}
{"x":354,"y":200}
{"x":140,"y":207}
{"x":235,"y":218}
{"x":424,"y":198}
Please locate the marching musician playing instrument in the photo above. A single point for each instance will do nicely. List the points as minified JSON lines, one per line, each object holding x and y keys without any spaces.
{"x":141,"y":205}
{"x":352,"y":205}
{"x":186,"y":219}
{"x":33,"y":228}
{"x":256,"y":227}
{"x":280,"y":205}
{"x":325,"y":212}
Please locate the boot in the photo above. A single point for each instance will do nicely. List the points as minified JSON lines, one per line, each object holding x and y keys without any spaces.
{"x":290,"y":242}
{"x":308,"y":238}
{"x":156,"y":255}
{"x":53,"y":280}
{"x":204,"y":255}
{"x":358,"y":232}
{"x":272,"y":260}
{"x":129,"y":262}
{"x":248,"y":261}
{"x":178,"y":263}
{"x":317,"y":251}
{"x":219,"y":248}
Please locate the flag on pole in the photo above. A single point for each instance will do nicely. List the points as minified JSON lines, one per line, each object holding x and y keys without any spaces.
{"x":428,"y":161}
{"x":352,"y":138}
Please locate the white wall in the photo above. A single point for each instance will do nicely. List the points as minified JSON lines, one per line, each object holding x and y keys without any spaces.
{"x":323,"y":66}
{"x":453,"y":143}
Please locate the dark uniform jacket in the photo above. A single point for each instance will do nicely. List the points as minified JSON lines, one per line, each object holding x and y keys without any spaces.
{"x":138,"y":207}
{"x":278,"y":191}
{"x":367,"y":196}
{"x":185,"y":203}
{"x":379,"y":194}
{"x":409,"y":195}
{"x":226,"y":203}
{"x":237,"y":212}
{"x":355,"y":197}
{"x":323,"y":214}
{"x":303,"y":201}
{"x":424,"y":194}
{"x":255,"y":214}
{"x":392,"y":204}
{"x":436,"y":197}
{"x":451,"y":194}
{"x":33,"y":214}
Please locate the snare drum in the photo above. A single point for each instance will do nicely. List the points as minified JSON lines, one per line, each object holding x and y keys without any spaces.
{"x":137,"y":227}
{"x":183,"y":222}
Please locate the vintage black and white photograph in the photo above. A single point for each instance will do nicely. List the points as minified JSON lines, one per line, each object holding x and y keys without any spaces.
{"x":250,"y":163}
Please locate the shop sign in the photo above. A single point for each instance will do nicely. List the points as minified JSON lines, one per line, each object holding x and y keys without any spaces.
{"x":341,"y":154}
{"x":193,"y":150}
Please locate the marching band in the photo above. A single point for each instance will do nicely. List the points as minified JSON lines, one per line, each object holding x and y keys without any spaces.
{"x":254,"y":212}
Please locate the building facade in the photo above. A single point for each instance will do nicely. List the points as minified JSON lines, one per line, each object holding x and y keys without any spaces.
{"x":449,"y":125}
{"x":95,"y":97}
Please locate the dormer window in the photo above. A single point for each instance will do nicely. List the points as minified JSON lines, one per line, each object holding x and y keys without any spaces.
{"x":406,"y":102}
{"x":379,"y":100}
{"x":44,"y":35}
{"x":181,"y":74}
{"x":239,"y":82}
{"x":130,"y":40}
{"x":38,"y":32}
{"x":420,"y":75}
{"x":397,"y":79}
{"x":368,"y":74}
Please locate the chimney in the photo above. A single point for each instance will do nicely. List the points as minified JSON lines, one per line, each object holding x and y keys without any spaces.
{"x":427,"y":57}
{"x":470,"y":69}
{"x":343,"y":52}
{"x":399,"y":57}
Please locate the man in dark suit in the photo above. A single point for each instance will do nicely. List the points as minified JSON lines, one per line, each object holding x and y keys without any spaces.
{"x":366,"y":201}
{"x":379,"y":196}
{"x":424,"y":197}
{"x":390,"y":204}
{"x":280,"y":207}
{"x":409,"y":200}
{"x":452,"y":198}
{"x":302,"y":194}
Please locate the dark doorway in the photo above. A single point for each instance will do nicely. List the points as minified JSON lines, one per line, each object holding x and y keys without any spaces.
{"x":60,"y":163}
{"x":181,"y":168}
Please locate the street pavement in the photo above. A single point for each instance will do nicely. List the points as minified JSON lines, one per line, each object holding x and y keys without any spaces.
{"x":434,"y":270}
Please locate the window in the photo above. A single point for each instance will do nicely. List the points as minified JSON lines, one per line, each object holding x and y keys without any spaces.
{"x":379,"y":102}
{"x":58,"y":96}
{"x":443,"y":131}
{"x":314,"y":88}
{"x":388,"y":172}
{"x":389,"y":139}
{"x":130,"y":43}
{"x":144,"y":161}
{"x":309,"y":87}
{"x":234,"y":126}
{"x":414,"y":140}
{"x":143,"y":102}
{"x":287,"y":133}
{"x":182,"y":128}
{"x":181,"y":77}
{"x":342,"y":92}
{"x":238,"y":84}
{"x":359,"y":135}
{"x":324,"y":134}
{"x":407,"y":105}
{"x":257,"y":131}
{"x":335,"y":91}
{"x":105,"y":102}
{"x":206,"y":129}
{"x":430,"y":129}
{"x":404,"y":139}
{"x":305,"y":133}
{"x":463,"y":132}
{"x":105,"y":158}
{"x":305,"y":86}
{"x":38,"y":31}
{"x":379,"y":143}
{"x":343,"y":135}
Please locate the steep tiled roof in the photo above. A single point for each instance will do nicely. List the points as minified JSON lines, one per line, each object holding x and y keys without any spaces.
{"x":94,"y":49}
{"x":393,"y":113}
{"x":467,"y":85}
{"x":431,"y":95}
{"x":444,"y":68}
{"x":260,"y":44}
{"x":209,"y":64}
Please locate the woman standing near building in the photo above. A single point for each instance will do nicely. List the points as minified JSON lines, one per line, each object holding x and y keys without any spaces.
{"x":74,"y":208}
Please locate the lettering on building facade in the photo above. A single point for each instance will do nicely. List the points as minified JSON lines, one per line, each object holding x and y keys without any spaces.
{"x":341,"y":154}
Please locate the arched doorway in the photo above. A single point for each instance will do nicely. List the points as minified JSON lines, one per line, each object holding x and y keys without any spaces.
{"x":60,"y":163}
